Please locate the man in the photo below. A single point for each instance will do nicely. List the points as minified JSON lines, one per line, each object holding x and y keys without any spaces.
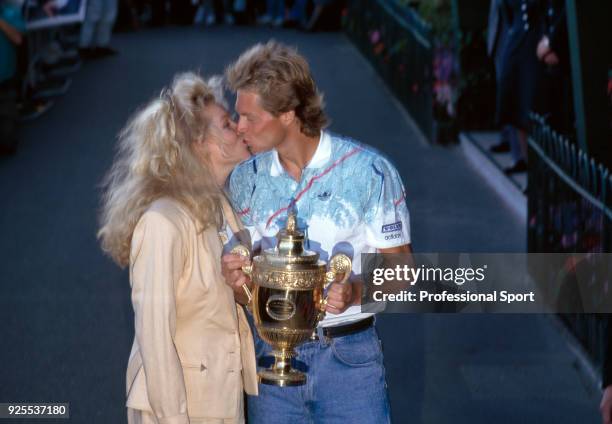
{"x":348,"y":199}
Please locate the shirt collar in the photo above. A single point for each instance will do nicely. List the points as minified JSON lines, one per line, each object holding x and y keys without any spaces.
{"x":321,"y":156}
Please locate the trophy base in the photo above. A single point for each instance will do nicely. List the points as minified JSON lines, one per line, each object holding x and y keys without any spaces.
{"x":282,"y":378}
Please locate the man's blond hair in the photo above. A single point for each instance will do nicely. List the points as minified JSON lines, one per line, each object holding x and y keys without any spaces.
{"x":282,"y":79}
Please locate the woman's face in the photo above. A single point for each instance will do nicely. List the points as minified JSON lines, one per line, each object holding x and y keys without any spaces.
{"x":225,"y":146}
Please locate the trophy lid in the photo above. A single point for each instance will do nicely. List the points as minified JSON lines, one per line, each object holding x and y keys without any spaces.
{"x":290,"y":245}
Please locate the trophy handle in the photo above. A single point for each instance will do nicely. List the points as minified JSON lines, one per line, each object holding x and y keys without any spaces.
{"x":339,"y":264}
{"x":247,"y":269}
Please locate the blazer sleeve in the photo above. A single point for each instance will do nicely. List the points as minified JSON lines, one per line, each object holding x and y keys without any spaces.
{"x":158,"y":259}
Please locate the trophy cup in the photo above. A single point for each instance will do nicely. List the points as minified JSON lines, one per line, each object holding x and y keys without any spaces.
{"x":288,"y":298}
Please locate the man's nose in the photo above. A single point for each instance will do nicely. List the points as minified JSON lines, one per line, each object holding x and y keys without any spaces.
{"x":242,"y":125}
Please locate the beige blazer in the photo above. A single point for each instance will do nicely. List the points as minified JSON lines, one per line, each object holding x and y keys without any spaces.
{"x":193,"y":349}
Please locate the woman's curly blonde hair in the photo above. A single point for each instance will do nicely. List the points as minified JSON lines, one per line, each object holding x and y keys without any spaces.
{"x":155,"y":159}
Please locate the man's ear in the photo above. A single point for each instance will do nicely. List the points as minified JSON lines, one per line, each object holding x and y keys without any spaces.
{"x":287,"y":118}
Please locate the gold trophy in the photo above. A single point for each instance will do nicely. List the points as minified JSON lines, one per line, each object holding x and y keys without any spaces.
{"x":288,"y":299}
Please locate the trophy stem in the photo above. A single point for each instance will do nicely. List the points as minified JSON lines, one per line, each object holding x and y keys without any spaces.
{"x":282,"y":361}
{"x":281,"y":373}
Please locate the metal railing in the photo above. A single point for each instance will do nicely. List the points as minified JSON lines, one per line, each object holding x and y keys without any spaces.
{"x":570,"y":196}
{"x":399,"y":45}
{"x":569,"y":211}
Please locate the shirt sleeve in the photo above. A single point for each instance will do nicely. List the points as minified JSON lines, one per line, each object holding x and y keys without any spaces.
{"x":157,"y":259}
{"x":386,"y":214}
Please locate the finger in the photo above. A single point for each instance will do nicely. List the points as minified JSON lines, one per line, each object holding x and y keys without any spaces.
{"x":333,"y":308}
{"x":240,"y":281}
{"x":338,"y":292}
{"x":233,"y":277}
{"x":232,"y":257}
{"x":341,"y":278}
{"x":234,"y":265}
{"x":343,"y":297}
{"x":339,"y":288}
{"x":341,"y":291}
{"x":235,"y":261}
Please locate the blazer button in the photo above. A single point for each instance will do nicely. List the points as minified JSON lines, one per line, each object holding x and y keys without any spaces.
{"x":526,"y":27}
{"x":202,"y":367}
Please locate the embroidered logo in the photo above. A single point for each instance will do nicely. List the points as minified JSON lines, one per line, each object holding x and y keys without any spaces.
{"x":324,"y":196}
{"x":390,"y":228}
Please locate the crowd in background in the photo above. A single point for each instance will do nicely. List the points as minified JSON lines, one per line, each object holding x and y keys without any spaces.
{"x":36,"y":63}
{"x":301,"y":14}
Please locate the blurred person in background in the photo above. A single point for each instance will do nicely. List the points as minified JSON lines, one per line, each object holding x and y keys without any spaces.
{"x":97,"y":29}
{"x":12,"y":27}
{"x":164,"y":214}
{"x":553,"y":53}
{"x":520,"y":70}
{"x":275,"y":13}
{"x":210,"y":12}
{"x":497,"y":33}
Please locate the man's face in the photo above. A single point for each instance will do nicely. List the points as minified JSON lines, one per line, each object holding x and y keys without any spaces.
{"x":260,"y":129}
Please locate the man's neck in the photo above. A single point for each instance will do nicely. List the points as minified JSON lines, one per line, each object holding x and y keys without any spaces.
{"x":296,"y":152}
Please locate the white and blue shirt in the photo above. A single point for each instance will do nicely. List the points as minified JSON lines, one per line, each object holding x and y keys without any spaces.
{"x":350,"y":200}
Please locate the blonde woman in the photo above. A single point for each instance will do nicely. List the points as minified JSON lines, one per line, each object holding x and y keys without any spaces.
{"x":163,"y":210}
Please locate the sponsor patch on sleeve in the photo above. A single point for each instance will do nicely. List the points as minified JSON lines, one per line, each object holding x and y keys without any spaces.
{"x":391,"y":228}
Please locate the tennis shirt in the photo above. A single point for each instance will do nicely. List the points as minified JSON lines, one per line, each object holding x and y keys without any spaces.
{"x":350,"y":200}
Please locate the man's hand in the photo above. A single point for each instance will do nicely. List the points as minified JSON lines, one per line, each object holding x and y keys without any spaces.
{"x":231,"y":268}
{"x":339,"y":297}
{"x":606,"y":406}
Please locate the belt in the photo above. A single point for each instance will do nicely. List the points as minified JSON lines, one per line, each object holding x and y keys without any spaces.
{"x":346,"y":329}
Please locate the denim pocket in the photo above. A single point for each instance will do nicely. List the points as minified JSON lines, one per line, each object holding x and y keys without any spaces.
{"x":357,"y":350}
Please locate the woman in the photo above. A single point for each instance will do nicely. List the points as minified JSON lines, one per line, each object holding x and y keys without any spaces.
{"x":162,"y":212}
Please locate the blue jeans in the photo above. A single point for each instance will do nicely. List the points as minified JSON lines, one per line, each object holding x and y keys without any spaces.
{"x":345,"y":384}
{"x":98,"y":24}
